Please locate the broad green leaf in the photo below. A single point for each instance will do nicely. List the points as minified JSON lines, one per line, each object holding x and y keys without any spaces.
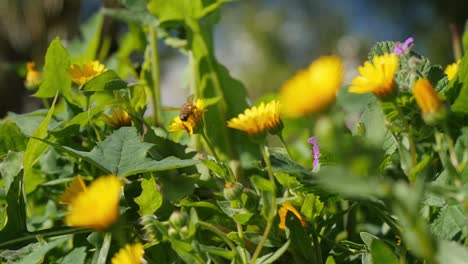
{"x":218,"y":169}
{"x":283,"y":164}
{"x":123,"y":154}
{"x":10,"y":168}
{"x":312,"y":206}
{"x":11,"y":137}
{"x":76,"y":256}
{"x":56,"y":76}
{"x":450,"y":222}
{"x":106,"y":81}
{"x":178,"y":10}
{"x":461,"y":145}
{"x":301,"y":243}
{"x":39,"y":252}
{"x":85,"y":48}
{"x":29,"y":122}
{"x":368,"y":238}
{"x":272,"y":257}
{"x":262,"y":184}
{"x":288,"y":182}
{"x":34,"y":150}
{"x":382,"y":254}
{"x":150,"y":198}
{"x":15,"y":211}
{"x":381,"y":48}
{"x":459,"y":87}
{"x":451,"y":253}
{"x":135,"y":11}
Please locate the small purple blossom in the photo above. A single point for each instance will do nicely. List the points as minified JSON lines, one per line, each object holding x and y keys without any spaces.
{"x":401,"y":48}
{"x":315,"y":150}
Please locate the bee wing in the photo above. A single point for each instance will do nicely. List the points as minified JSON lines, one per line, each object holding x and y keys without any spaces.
{"x":190,"y":98}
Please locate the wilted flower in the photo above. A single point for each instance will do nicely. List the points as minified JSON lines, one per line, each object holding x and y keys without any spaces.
{"x":283,"y":211}
{"x":376,"y":77}
{"x":315,"y":151}
{"x":312,"y":89}
{"x":33,"y":76}
{"x":451,"y":70}
{"x":118,"y":118}
{"x":81,"y":74}
{"x":258,"y":120}
{"x":194,"y":122}
{"x":95,"y":207}
{"x":427,"y":99}
{"x":401,"y":48}
{"x":130,"y":254}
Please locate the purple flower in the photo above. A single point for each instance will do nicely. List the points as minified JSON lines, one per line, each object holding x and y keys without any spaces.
{"x":315,"y":150}
{"x":401,"y":48}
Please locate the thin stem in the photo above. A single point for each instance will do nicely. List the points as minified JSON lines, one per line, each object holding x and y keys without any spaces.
{"x":240,"y":232}
{"x":283,"y":142}
{"x":210,"y":147}
{"x":402,"y":253}
{"x":409,"y":133}
{"x":451,"y":148}
{"x":155,"y":76}
{"x":272,"y":212}
{"x":104,"y":248}
{"x":219,"y":233}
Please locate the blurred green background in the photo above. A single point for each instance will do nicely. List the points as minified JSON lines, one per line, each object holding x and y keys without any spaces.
{"x":262,"y":42}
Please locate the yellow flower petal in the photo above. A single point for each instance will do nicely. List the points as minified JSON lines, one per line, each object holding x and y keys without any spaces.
{"x":76,"y":187}
{"x":313,"y":89}
{"x":426,"y":97}
{"x":118,"y":118}
{"x":452,"y":70}
{"x":283,"y":211}
{"x":194,"y":122}
{"x":130,"y":254}
{"x":376,"y":77}
{"x":258,"y":119}
{"x":33,"y":77}
{"x":81,"y":74}
{"x":98,"y":206}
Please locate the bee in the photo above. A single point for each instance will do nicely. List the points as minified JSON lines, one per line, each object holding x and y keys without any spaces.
{"x":187,"y":109}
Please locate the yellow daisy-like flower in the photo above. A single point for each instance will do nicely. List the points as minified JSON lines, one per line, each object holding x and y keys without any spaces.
{"x":81,"y":74}
{"x":426,"y":97}
{"x":130,"y":254}
{"x":259,"y":119}
{"x":452,"y":70}
{"x":194,"y":122}
{"x":312,"y":89}
{"x":283,"y":211}
{"x":376,"y":77}
{"x":96,"y":206}
{"x":118,"y":118}
{"x":33,"y":76}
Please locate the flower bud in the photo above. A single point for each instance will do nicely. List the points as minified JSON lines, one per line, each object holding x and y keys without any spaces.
{"x":178,"y":219}
{"x":232,"y":191}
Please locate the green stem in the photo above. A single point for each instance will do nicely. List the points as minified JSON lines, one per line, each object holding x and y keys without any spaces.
{"x":272,"y":212}
{"x":240,"y":232}
{"x":283,"y":142}
{"x":451,"y":148}
{"x":210,"y":147}
{"x":409,"y":133}
{"x":219,"y":233}
{"x":104,"y":248}
{"x":155,"y":75}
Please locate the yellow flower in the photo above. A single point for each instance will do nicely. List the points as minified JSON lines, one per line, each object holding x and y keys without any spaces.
{"x":81,"y":74}
{"x":194,"y":122}
{"x":283,"y":211}
{"x":426,"y":97}
{"x":452,"y":70}
{"x":376,"y":77}
{"x":33,"y":77}
{"x":94,"y":207}
{"x":312,"y":89}
{"x":130,"y":254}
{"x":258,"y":120}
{"x":118,"y":118}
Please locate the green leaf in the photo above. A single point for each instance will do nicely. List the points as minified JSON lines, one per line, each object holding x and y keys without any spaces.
{"x":312,"y":206}
{"x":34,"y":150}
{"x":85,"y":48}
{"x":283,"y":164}
{"x":135,"y":11}
{"x":123,"y":154}
{"x":178,"y":10}
{"x":262,"y":184}
{"x":28,"y":122}
{"x":56,"y":77}
{"x":10,"y":168}
{"x":76,"y":256}
{"x":150,"y":198}
{"x":368,"y":238}
{"x":15,"y":211}
{"x":451,"y":253}
{"x":11,"y":137}
{"x":460,"y":86}
{"x":382,"y":254}
{"x":288,"y":182}
{"x":381,"y":48}
{"x":40,"y":250}
{"x":106,"y":81}
{"x":272,"y":257}
{"x":227,"y":254}
{"x":301,"y":243}
{"x":450,"y":222}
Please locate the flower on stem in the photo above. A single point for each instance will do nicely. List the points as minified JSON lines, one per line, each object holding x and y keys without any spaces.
{"x":401,"y":48}
{"x":376,"y":77}
{"x":130,"y":254}
{"x":312,"y":89}
{"x":118,"y":118}
{"x":96,"y":206}
{"x":315,"y":151}
{"x":194,"y":123}
{"x":451,"y":70}
{"x":81,"y":74}
{"x":258,"y":120}
{"x":428,"y":100}
{"x":33,"y":76}
{"x":283,"y":211}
